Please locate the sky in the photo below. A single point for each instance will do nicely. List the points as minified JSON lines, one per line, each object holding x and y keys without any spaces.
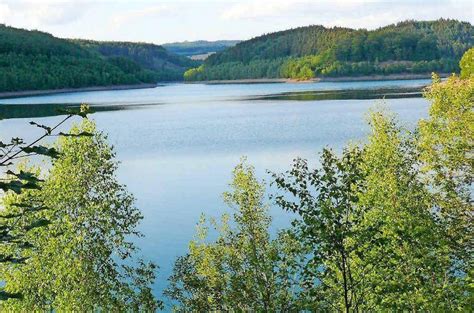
{"x":162,"y":21}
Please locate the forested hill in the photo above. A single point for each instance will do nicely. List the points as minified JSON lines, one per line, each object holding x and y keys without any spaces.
{"x":167,"y":65}
{"x":34,"y":60}
{"x":306,"y":52}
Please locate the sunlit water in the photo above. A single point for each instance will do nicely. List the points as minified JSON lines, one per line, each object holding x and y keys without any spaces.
{"x":177,"y":151}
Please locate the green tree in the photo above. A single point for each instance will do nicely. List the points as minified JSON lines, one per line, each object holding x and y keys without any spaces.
{"x":325,"y":199}
{"x":446,"y":142}
{"x":467,"y":64}
{"x":82,"y":260}
{"x":403,"y":254}
{"x":306,"y":73}
{"x":243,"y":269}
{"x":371,"y":223}
{"x":13,"y":235}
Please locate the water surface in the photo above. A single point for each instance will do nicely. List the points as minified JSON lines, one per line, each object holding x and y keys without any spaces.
{"x":178,"y":143}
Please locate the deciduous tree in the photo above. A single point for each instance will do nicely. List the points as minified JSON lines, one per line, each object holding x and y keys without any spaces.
{"x":83,"y":259}
{"x":243,"y":269}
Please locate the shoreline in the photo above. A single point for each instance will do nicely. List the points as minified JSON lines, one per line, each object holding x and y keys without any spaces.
{"x":319,"y":79}
{"x":29,"y":93}
{"x":381,"y":77}
{"x":46,"y":92}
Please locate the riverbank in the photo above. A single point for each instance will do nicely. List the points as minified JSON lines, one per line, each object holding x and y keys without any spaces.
{"x":319,"y":79}
{"x":27,"y":93}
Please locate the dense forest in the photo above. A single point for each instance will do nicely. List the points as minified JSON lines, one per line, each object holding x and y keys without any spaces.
{"x":315,"y":51}
{"x":34,"y":60}
{"x":165,"y":65}
{"x":191,"y":48}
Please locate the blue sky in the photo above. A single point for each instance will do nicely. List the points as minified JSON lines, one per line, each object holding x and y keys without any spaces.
{"x":163,"y":21}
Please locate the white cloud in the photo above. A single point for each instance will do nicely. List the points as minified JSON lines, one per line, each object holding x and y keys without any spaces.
{"x":256,"y":9}
{"x":275,"y":8}
{"x":134,"y":15}
{"x":43,"y":13}
{"x":4,"y":11}
{"x":174,"y":20}
{"x":346,"y":11}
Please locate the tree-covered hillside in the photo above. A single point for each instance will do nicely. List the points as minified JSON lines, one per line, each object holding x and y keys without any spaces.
{"x":166,"y":65}
{"x":34,"y":60}
{"x":306,"y":52}
{"x":191,"y":48}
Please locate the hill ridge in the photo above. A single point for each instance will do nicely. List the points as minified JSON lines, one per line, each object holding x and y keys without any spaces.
{"x":308,"y":51}
{"x":37,"y":60}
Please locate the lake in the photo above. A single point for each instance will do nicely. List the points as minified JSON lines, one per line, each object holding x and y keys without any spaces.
{"x":178,"y":143}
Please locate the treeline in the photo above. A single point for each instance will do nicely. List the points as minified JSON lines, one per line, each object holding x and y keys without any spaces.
{"x":20,"y":72}
{"x":237,"y":70}
{"x":313,"y":66}
{"x":407,"y":47}
{"x":33,"y":60}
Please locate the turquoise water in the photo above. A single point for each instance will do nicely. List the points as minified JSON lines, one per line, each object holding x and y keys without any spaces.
{"x":178,"y":143}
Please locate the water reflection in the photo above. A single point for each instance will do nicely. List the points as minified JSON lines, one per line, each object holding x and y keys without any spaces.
{"x":36,"y":110}
{"x":362,"y":94}
{"x":13,"y":111}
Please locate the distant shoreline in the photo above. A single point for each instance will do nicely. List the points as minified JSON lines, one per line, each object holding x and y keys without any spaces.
{"x":27,"y":93}
{"x":320,"y":79}
{"x":381,"y":77}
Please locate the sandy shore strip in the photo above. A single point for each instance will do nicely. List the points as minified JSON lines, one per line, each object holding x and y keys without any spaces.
{"x":28,"y":93}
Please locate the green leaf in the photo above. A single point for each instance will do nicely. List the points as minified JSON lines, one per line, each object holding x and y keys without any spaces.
{"x":12,"y":259}
{"x":7,"y":295}
{"x":81,"y":134}
{"x":28,"y":176}
{"x":38,"y":223}
{"x":46,"y":128}
{"x":83,"y":111}
{"x":17,"y":186}
{"x":16,"y":141}
{"x":42,"y":150}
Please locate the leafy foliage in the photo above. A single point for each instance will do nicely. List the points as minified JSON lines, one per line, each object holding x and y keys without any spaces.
{"x":371,"y":221}
{"x":243,"y":269}
{"x":80,"y":256}
{"x":446,"y":145}
{"x":328,"y":224}
{"x":467,"y":64}
{"x":13,"y":235}
{"x":407,"y":254}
